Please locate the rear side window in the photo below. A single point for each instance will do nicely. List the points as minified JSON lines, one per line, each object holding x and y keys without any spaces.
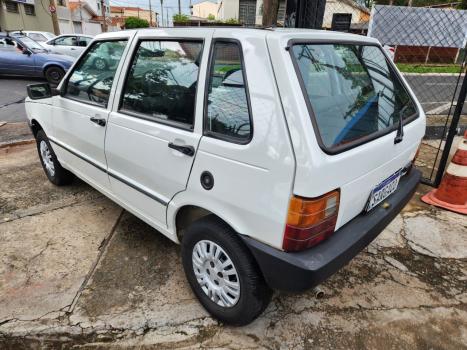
{"x":92,"y":78}
{"x":352,"y":92}
{"x":66,"y":41}
{"x":162,"y":81}
{"x":228,"y":112}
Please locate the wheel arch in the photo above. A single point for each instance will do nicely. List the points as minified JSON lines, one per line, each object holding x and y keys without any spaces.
{"x":35,"y":127}
{"x":182,"y":216}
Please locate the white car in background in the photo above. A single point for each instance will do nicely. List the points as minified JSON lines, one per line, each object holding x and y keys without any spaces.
{"x":68,"y":44}
{"x":40,"y":37}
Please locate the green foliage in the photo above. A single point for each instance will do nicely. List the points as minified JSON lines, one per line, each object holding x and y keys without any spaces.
{"x":463,"y":5}
{"x":180,"y":18}
{"x":211,"y":17}
{"x":427,"y":68}
{"x":232,"y":21}
{"x":135,"y":22}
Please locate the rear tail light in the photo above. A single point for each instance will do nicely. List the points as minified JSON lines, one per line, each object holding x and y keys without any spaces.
{"x":392,"y":49}
{"x":310,"y":221}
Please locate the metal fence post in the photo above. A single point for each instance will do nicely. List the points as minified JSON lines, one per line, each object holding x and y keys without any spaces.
{"x":452,"y":128}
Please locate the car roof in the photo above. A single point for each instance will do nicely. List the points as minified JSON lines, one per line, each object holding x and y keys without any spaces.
{"x":270,"y":32}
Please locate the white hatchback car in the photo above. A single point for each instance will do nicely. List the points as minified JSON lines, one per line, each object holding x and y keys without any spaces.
{"x":272,"y":156}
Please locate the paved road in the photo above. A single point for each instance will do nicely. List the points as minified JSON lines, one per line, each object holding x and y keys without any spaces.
{"x":11,"y":90}
{"x":434,"y":92}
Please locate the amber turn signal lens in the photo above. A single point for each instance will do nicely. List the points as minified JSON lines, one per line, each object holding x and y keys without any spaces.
{"x":310,"y":220}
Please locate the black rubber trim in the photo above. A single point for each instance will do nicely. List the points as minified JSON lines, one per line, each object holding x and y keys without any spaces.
{"x":146,"y":193}
{"x":303,"y":270}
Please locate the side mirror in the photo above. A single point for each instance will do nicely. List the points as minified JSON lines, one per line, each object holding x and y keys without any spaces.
{"x":26,"y":51}
{"x":40,"y":91}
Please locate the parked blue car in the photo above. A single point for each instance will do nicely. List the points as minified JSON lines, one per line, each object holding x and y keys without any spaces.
{"x":20,"y":55}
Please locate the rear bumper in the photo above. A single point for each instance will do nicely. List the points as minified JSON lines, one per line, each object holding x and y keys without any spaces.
{"x":303,"y":270}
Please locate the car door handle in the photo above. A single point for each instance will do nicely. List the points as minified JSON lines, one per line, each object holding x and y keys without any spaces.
{"x":186,"y":150}
{"x":98,"y":121}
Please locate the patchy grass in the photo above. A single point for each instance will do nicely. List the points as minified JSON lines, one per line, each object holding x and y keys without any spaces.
{"x":420,"y":68}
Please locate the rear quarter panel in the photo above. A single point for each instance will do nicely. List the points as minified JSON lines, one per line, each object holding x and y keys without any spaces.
{"x":356,"y":171}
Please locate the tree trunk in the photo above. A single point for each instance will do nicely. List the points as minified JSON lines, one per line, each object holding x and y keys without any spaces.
{"x":270,"y":9}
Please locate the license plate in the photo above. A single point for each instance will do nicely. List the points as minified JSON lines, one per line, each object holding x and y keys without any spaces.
{"x":383,"y":190}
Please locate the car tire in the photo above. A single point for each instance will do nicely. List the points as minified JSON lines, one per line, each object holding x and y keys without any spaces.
{"x":55,"y":172}
{"x":100,"y":64}
{"x":230,"y":302}
{"x":54,"y":75}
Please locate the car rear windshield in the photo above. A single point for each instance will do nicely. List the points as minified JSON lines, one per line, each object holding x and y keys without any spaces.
{"x":352,"y":92}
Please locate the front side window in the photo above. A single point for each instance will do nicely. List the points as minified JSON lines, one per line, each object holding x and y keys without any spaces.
{"x":352,"y":91}
{"x":92,"y":77}
{"x":161,"y":84}
{"x":228,"y":115}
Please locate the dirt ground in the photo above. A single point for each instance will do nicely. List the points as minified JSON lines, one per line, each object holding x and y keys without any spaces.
{"x":78,"y":271}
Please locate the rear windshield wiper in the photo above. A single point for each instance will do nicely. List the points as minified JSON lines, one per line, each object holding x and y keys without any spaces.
{"x":400,"y":127}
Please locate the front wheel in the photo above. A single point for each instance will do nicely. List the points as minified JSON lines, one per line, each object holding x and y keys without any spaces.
{"x":222,"y":273}
{"x":55,"y":172}
{"x":54,"y":75}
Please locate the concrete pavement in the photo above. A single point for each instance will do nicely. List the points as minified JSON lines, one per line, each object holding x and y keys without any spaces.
{"x":77,"y":271}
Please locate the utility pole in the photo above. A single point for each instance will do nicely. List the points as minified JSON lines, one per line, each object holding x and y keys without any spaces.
{"x":179,"y":8}
{"x":150,"y":14}
{"x":53,"y":13}
{"x":81,"y":16}
{"x":162,"y":12}
{"x":104,"y":23}
{"x":270,"y":9}
{"x":167,"y":16}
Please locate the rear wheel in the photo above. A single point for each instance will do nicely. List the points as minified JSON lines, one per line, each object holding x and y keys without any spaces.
{"x":54,"y":75}
{"x":222,"y":273}
{"x":55,"y":172}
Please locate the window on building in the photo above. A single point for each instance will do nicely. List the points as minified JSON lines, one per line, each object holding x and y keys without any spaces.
{"x":29,"y":10}
{"x":61,"y":2}
{"x":11,"y":6}
{"x":92,"y":78}
{"x":228,"y":114}
{"x":161,"y":85}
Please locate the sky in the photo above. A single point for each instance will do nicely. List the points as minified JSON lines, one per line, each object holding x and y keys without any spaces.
{"x":169,"y":5}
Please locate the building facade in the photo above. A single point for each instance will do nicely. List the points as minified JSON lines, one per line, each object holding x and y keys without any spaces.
{"x":120,"y":13}
{"x":25,"y":15}
{"x":205,"y":8}
{"x":247,"y":12}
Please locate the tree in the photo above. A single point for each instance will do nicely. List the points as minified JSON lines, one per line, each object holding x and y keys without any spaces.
{"x":180,"y":18}
{"x":211,"y":17}
{"x":135,"y":22}
{"x":270,"y":9}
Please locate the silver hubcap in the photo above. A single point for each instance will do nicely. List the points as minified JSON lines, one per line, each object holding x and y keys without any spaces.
{"x":216,"y":273}
{"x":47,"y":158}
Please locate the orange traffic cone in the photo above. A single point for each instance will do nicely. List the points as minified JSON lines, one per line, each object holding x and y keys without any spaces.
{"x":452,"y":192}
